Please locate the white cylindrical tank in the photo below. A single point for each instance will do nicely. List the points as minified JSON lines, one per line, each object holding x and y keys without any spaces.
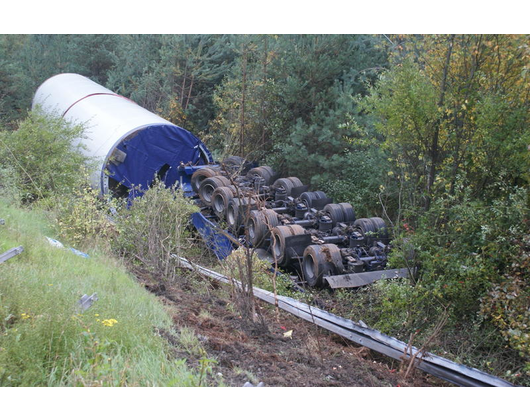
{"x":130,"y":144}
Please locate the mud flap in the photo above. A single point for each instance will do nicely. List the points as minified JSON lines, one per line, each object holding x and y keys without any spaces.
{"x":296,"y":244}
{"x":362,"y":279}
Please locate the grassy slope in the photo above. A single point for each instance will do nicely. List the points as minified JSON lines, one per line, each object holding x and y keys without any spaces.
{"x":45,"y":341}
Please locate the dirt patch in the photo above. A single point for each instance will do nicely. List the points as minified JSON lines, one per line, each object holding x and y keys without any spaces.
{"x":290,"y":353}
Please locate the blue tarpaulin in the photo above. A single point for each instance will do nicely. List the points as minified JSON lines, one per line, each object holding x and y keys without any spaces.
{"x":156,"y":150}
{"x":162,"y":151}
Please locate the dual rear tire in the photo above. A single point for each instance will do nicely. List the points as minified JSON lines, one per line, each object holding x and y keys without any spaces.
{"x":320,"y":261}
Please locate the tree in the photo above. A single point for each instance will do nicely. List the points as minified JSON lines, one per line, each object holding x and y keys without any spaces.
{"x":319,"y":132}
{"x":289,"y":99}
{"x":28,"y":60}
{"x":243,"y":101}
{"x":172,"y":75}
{"x":454,"y":112}
{"x":198,"y":64}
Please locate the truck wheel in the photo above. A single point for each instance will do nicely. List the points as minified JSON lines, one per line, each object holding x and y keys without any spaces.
{"x":349,"y":213}
{"x":286,"y":183}
{"x":367,"y":228}
{"x":279,"y":234}
{"x":319,"y":261}
{"x":335,"y":213}
{"x":309,"y":196}
{"x":209,"y":185}
{"x":264,"y":172}
{"x":260,"y":224}
{"x":220,"y":199}
{"x":236,"y":211}
{"x":233,"y":164}
{"x":296,"y":182}
{"x":257,"y":228}
{"x":200,"y":175}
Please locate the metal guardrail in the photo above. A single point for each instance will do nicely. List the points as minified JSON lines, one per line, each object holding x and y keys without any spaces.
{"x":445,"y":369}
{"x":11,"y":253}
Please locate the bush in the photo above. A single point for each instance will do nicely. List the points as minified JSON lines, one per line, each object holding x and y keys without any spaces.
{"x":153,"y":228}
{"x":8,"y":184}
{"x":82,"y":217}
{"x":507,"y":305}
{"x":472,"y":261}
{"x":464,"y":248}
{"x":42,"y":156}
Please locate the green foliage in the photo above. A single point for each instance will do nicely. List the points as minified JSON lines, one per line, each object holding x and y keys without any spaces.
{"x":82,"y":217}
{"x":454,"y":118}
{"x":153,"y":228}
{"x":507,"y":302}
{"x":320,"y":134}
{"x":245,"y":100}
{"x":43,"y":157}
{"x":405,"y":102}
{"x":453,"y":112}
{"x":463,"y":249}
{"x":8,"y":184}
{"x":172,"y":75}
{"x":45,"y":340}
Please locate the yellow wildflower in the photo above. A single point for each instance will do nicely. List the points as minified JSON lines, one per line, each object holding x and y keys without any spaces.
{"x":109,"y":322}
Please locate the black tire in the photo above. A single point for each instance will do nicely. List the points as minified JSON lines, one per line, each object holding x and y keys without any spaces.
{"x":264,"y":172}
{"x":349,"y":213}
{"x":260,"y":225}
{"x":271,"y":218}
{"x":335,"y":213}
{"x":220,"y":199}
{"x":296,"y":182}
{"x":272,"y":175}
{"x":319,"y":261}
{"x":235,"y":212}
{"x":257,"y":228}
{"x":233,"y":164}
{"x":200,"y":175}
{"x":367,"y":228}
{"x":381,"y":230}
{"x":286,"y":183}
{"x":309,"y":196}
{"x":278,"y":235}
{"x":209,"y":185}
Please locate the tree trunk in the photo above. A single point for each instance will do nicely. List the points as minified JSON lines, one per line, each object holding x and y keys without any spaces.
{"x":435,"y":150}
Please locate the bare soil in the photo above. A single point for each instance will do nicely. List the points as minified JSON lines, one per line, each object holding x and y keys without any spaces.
{"x":289,"y":352}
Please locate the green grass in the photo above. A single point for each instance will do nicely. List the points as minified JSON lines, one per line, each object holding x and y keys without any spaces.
{"x":46,"y":341}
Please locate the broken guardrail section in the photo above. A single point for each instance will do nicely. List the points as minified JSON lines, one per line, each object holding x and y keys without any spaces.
{"x":11,"y":253}
{"x":440,"y":367}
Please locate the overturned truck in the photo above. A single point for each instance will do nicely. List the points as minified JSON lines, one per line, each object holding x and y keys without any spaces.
{"x":324,"y":242}
{"x":300,"y":230}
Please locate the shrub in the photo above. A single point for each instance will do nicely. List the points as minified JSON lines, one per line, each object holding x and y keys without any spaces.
{"x":83,"y":217}
{"x":507,"y":304}
{"x":153,"y":228}
{"x":464,"y":248}
{"x":42,"y":155}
